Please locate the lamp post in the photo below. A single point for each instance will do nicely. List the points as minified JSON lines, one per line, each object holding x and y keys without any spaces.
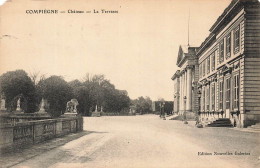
{"x":163,"y":111}
{"x":162,"y":115}
{"x":199,"y":96}
{"x":184,"y":114}
{"x":198,"y":113}
{"x":160,"y":109}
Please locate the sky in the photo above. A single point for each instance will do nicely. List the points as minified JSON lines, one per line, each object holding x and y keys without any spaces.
{"x":136,"y":48}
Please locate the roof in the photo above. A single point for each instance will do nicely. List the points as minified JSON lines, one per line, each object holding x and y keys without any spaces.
{"x":205,"y":43}
{"x":234,"y":5}
{"x":184,"y":48}
{"x":177,"y":73}
{"x":231,"y":7}
{"x":223,"y":15}
{"x":185,"y":51}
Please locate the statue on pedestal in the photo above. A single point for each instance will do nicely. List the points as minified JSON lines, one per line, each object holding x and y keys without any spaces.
{"x":96,"y":113}
{"x":18,"y":108}
{"x":42,"y":105}
{"x":2,"y":108}
{"x":72,"y":106}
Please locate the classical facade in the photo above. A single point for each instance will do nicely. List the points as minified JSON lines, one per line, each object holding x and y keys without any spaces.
{"x":185,"y":82}
{"x":229,"y":66}
{"x":229,"y":69}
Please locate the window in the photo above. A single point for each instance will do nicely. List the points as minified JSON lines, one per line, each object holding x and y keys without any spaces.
{"x":236,"y":92}
{"x":213,"y":61}
{"x":228,"y":46}
{"x":200,"y":70}
{"x":208,"y":65}
{"x":207,"y":98}
{"x":203,"y":68}
{"x":213,"y":97}
{"x":236,"y":40}
{"x":221,"y":51}
{"x":221,"y":95}
{"x":227,"y":93}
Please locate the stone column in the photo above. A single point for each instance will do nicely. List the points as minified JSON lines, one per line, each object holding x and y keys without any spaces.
{"x":184,"y":90}
{"x":180,"y":93}
{"x":189,"y":89}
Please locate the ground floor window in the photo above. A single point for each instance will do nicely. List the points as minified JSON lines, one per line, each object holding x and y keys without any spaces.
{"x":207,"y":98}
{"x":228,"y":93}
{"x":221,"y":95}
{"x":236,"y":91}
{"x":213,"y":96}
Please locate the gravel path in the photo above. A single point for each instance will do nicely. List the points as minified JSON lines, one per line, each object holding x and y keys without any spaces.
{"x":142,"y":141}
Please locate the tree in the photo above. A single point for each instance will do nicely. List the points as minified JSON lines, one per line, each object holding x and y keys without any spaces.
{"x":57,"y":92}
{"x":81,"y":92}
{"x":17,"y":84}
{"x":143,"y":105}
{"x":99,"y":91}
{"x":36,"y":77}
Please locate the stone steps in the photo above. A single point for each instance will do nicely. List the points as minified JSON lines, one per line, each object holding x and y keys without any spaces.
{"x":222,"y":122}
{"x":254,"y":128}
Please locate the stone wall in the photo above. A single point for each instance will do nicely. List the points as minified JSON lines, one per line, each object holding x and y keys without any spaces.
{"x":31,"y":132}
{"x":115,"y":114}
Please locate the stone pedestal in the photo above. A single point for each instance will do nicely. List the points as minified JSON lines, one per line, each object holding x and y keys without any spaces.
{"x":42,"y":114}
{"x":95,"y":114}
{"x":69,"y":114}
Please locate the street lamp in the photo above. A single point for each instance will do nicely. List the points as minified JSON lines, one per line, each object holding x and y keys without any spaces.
{"x":162,"y":115}
{"x":198,"y":113}
{"x":198,"y":124}
{"x":184,"y":114}
{"x":160,"y":109}
{"x":163,"y":111}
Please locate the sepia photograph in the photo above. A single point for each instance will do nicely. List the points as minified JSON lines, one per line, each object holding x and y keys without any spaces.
{"x":129,"y":83}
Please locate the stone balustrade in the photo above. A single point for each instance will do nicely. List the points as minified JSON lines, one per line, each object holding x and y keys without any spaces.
{"x":13,"y":118}
{"x":31,"y":132}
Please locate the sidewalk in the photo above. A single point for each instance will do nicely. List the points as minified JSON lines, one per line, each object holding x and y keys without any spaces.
{"x":245,"y":130}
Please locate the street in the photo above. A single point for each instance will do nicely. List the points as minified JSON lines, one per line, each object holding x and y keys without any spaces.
{"x":142,"y":141}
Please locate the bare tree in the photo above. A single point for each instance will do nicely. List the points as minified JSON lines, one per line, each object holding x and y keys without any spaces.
{"x":36,"y":77}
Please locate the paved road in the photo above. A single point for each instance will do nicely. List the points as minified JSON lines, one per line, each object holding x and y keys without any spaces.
{"x":142,"y":141}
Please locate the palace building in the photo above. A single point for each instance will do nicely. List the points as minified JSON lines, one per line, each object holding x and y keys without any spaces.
{"x":228,"y":61}
{"x":185,"y":82}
